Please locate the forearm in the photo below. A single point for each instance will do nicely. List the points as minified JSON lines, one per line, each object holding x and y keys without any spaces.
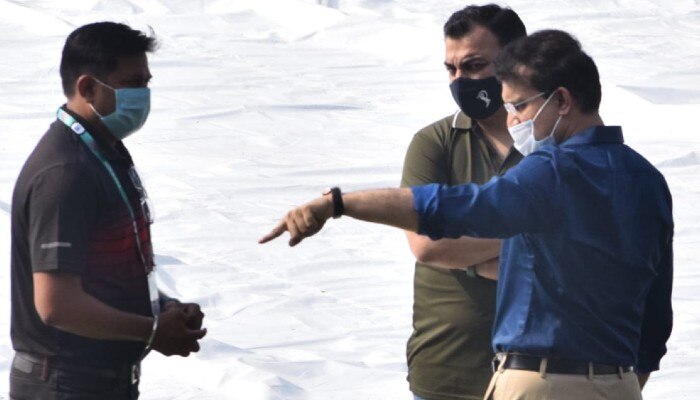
{"x":91,"y":318}
{"x":453,"y":253}
{"x":393,"y":207}
{"x":62,"y":303}
{"x":488,"y":269}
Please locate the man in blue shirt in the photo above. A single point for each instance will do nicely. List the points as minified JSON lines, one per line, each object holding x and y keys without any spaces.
{"x":584,"y":292}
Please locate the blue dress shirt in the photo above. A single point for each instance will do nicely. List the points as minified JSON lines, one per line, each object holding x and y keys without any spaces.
{"x":586,"y":266}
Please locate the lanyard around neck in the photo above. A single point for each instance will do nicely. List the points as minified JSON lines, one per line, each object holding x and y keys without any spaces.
{"x":153,"y":293}
{"x":91,"y":144}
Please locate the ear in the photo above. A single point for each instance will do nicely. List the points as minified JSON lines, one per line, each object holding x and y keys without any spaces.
{"x":564,"y":100}
{"x":85,"y":88}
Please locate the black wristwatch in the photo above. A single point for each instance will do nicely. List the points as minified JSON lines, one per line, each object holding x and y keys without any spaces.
{"x":337,"y":196}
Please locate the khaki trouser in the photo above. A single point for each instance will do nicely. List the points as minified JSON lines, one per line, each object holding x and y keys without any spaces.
{"x":513,"y":384}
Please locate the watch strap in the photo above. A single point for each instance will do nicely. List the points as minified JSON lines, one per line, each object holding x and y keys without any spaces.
{"x":337,"y":198}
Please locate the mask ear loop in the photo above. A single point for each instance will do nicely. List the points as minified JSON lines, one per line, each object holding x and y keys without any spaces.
{"x":538,"y":114}
{"x":95,"y":111}
{"x":554,"y":128}
{"x":543,"y":106}
{"x":106,"y":85}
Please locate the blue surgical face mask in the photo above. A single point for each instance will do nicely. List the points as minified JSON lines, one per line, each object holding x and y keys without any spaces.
{"x":130,"y":113}
{"x":523,"y":134}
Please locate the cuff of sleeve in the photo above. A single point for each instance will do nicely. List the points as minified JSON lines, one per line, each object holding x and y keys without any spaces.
{"x":73,"y":267}
{"x":423,"y":203}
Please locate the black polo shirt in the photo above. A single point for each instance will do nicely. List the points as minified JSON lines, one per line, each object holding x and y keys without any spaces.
{"x":68,"y":216}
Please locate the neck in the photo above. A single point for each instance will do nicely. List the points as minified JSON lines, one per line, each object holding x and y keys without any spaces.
{"x":581,"y":123}
{"x":496,"y":131}
{"x":85,"y":112}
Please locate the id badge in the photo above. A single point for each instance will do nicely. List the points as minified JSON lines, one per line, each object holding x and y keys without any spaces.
{"x":153,"y":292}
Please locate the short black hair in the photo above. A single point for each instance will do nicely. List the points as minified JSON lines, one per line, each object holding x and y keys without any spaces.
{"x":550,"y":59}
{"x":503,"y":22}
{"x":96,"y":48}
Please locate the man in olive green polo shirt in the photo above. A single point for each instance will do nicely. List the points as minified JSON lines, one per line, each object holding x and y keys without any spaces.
{"x":449,"y":352}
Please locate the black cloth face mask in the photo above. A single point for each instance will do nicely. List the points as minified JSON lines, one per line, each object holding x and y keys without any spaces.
{"x":478,"y":98}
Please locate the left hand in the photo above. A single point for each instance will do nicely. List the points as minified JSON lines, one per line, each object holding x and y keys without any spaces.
{"x":303,"y":221}
{"x":195,"y":316}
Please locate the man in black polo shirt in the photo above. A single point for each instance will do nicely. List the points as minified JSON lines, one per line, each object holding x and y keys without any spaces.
{"x":85,"y":308}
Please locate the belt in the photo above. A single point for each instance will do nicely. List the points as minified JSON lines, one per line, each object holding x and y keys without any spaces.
{"x":27,"y":363}
{"x":559,"y":365}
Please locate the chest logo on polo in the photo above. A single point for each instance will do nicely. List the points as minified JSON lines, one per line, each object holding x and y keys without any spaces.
{"x":53,"y":245}
{"x":484,"y":96}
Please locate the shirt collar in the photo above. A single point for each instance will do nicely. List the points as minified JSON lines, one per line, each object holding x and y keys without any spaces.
{"x":595,"y":135}
{"x":461,"y":121}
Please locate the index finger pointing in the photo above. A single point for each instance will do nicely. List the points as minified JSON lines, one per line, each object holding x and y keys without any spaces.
{"x":275,"y":232}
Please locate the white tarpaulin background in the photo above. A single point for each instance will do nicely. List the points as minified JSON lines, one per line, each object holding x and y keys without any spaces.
{"x":259,"y":105}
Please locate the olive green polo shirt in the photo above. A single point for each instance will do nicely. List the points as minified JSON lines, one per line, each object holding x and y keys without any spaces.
{"x":449,"y":353}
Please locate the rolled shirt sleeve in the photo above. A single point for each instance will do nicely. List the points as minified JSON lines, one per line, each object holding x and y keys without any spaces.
{"x":525,"y":199}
